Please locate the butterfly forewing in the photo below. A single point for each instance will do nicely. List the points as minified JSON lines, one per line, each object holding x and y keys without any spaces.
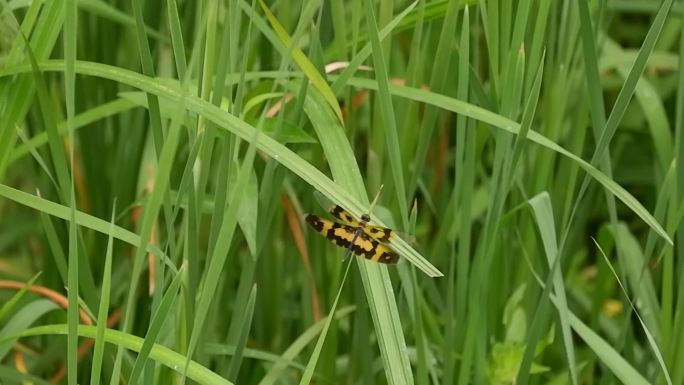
{"x":382,"y":234}
{"x":343,"y":235}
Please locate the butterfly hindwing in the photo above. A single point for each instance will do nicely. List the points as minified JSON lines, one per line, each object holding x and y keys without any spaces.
{"x":343,"y":235}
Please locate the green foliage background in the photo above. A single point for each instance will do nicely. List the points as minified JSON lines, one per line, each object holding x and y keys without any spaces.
{"x":156,"y":160}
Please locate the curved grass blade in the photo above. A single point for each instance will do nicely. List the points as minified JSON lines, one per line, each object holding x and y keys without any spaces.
{"x":159,"y":353}
{"x":21,"y":320}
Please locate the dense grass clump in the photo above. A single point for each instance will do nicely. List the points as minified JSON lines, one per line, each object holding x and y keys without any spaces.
{"x":157,"y":160}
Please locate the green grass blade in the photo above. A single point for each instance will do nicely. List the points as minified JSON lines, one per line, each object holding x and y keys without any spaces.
{"x":220,"y":252}
{"x":82,"y":219}
{"x":625,"y":372}
{"x":102,"y":313}
{"x":11,"y":304}
{"x":159,"y":317}
{"x":313,"y":359}
{"x":303,"y":62}
{"x":323,"y":184}
{"x":20,"y":322}
{"x":639,"y":278}
{"x":49,"y":116}
{"x":236,"y":360}
{"x":438,"y":83}
{"x":388,"y":116}
{"x":462,"y":194}
{"x":19,"y":94}
{"x":541,"y":207}
{"x":505,"y":124}
{"x":649,"y":335}
{"x":159,"y":353}
{"x":296,"y":347}
{"x":669,"y":275}
{"x":70,"y":30}
{"x":528,"y":117}
{"x":367,"y":49}
{"x":73,"y":286}
{"x":81,"y":120}
{"x":148,"y":219}
{"x":630,"y":84}
{"x":14,"y":376}
{"x":148,"y":69}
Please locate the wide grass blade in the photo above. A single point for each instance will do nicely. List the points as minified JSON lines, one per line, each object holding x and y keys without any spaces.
{"x":541,"y":207}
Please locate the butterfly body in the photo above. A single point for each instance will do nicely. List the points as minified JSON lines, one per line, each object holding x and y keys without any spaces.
{"x":359,"y":237}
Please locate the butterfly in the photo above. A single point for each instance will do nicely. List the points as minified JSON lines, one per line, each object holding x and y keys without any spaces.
{"x":358,"y":237}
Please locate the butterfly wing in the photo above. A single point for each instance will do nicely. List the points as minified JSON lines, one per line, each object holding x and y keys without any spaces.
{"x":343,"y":215}
{"x":381,"y":234}
{"x":343,"y":235}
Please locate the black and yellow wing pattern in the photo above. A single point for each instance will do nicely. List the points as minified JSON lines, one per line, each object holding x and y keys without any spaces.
{"x":369,"y":241}
{"x":382,"y":234}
